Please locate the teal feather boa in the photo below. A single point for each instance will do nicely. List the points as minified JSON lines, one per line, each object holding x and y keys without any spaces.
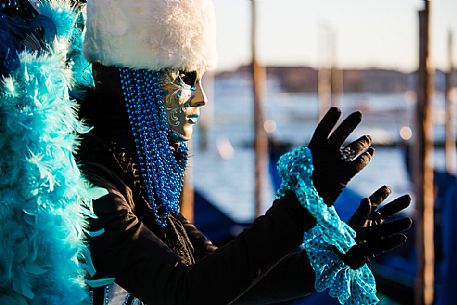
{"x":44,"y":200}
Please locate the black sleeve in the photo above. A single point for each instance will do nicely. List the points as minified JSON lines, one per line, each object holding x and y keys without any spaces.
{"x":292,"y":278}
{"x":142,"y":264}
{"x":202,"y":245}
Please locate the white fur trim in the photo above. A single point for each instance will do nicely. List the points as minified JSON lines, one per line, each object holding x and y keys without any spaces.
{"x":151,"y":34}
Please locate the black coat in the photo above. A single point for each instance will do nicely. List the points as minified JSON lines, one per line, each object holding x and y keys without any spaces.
{"x":178,"y":265}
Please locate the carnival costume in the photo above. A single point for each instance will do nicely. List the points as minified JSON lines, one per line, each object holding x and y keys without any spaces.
{"x":147,"y":60}
{"x":44,"y":200}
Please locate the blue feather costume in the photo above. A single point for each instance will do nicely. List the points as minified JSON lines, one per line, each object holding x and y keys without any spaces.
{"x":44,"y":200}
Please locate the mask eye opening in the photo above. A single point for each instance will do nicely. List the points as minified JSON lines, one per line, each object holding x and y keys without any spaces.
{"x":188,"y":78}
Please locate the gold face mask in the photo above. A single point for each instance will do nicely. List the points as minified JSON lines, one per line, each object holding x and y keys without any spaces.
{"x":184,"y":96}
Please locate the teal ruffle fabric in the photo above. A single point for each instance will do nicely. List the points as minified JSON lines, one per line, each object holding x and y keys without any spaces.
{"x":348,"y":285}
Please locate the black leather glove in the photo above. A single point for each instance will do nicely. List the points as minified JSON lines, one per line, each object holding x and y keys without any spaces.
{"x":334,"y":166}
{"x":373,"y":235}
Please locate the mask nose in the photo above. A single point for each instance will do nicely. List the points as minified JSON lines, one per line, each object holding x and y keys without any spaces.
{"x":198,"y":97}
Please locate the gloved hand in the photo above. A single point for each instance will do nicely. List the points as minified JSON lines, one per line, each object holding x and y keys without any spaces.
{"x":334,"y":166}
{"x":373,"y":235}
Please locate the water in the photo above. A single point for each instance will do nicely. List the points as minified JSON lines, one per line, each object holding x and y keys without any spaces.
{"x":230,"y":183}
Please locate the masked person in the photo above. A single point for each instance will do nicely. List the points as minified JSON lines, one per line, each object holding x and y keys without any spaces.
{"x":148,"y":60}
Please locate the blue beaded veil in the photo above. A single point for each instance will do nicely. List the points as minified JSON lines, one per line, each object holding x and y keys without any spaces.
{"x":161,"y":171}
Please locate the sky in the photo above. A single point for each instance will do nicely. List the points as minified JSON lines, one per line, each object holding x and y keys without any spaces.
{"x":368,"y":33}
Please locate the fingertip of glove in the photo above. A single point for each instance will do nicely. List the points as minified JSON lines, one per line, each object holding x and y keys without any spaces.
{"x":335,"y":109}
{"x":401,"y":224}
{"x":331,"y":117}
{"x":400,"y":239}
{"x":407,"y":198}
{"x":409,"y":223}
{"x":356,"y":115}
{"x":384,"y":191}
{"x":392,"y":242}
{"x":365,"y":205}
{"x":405,"y":201}
{"x":380,"y":194}
{"x":387,"y":188}
{"x":368,"y":138}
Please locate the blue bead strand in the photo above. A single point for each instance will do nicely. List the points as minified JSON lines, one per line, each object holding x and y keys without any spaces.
{"x":161,"y":173}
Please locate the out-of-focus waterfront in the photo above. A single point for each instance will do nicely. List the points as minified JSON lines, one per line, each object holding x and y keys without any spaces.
{"x":229,"y":182}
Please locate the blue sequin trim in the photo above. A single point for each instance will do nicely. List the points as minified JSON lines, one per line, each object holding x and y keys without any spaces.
{"x":106,"y":295}
{"x":91,"y":297}
{"x":350,"y":286}
{"x":127,"y":297}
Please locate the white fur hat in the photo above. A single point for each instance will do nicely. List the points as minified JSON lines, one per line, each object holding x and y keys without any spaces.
{"x":151,"y":34}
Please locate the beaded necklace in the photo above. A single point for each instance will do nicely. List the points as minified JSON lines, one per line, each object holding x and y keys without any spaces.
{"x":161,"y":172}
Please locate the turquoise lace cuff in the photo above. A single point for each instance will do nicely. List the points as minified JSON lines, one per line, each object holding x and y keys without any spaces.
{"x":348,"y":285}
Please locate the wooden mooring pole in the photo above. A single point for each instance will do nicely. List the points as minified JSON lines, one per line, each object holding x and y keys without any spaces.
{"x":450,"y":113}
{"x":324,"y":85}
{"x":424,"y":165}
{"x":330,"y":77}
{"x":260,"y":138}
